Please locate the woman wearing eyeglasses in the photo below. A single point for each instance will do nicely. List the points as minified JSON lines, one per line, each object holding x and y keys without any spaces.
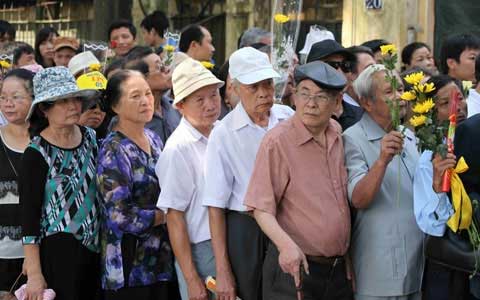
{"x":15,"y":101}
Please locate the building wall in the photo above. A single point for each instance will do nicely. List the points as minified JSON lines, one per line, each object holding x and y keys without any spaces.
{"x":399,"y":21}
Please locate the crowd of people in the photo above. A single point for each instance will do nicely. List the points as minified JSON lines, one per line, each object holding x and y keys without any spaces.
{"x":138,"y":179}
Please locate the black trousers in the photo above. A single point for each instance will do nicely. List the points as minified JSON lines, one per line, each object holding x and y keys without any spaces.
{"x":324,"y":282}
{"x":442,"y":283}
{"x":69,"y":268}
{"x":247,"y":246}
{"x":156,"y":291}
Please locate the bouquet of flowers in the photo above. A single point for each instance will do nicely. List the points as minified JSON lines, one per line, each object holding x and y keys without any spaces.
{"x":429,"y":131}
{"x":285,"y":27}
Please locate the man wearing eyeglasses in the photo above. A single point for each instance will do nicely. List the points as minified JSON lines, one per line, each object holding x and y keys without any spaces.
{"x":341,"y":59}
{"x":299,"y":196}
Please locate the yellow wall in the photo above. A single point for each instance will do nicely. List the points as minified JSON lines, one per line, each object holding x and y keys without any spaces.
{"x":392,"y":22}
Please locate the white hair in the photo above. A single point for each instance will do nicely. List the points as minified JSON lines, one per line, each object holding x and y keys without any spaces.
{"x":364,"y":84}
{"x":252,"y":36}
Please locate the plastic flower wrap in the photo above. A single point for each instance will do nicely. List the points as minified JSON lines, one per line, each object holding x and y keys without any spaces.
{"x":101,"y":51}
{"x":170,"y":47}
{"x":285,"y":27}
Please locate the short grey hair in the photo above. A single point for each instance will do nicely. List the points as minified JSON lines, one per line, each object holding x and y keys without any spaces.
{"x":364,"y":84}
{"x":252,"y":36}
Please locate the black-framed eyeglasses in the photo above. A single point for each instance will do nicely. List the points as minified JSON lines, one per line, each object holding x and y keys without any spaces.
{"x":345,"y":66}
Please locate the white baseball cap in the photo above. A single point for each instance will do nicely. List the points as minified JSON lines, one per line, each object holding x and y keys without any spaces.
{"x":249,"y":66}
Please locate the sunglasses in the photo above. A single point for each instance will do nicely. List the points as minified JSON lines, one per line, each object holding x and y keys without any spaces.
{"x":345,"y":66}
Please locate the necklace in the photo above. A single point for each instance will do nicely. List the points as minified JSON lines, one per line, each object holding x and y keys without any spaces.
{"x":8,"y":157}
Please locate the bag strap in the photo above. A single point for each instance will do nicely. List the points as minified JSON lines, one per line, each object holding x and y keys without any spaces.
{"x":15,"y":283}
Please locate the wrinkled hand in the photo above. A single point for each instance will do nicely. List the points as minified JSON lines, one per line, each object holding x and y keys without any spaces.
{"x":35,"y":286}
{"x":290,"y":259}
{"x":225,"y":287}
{"x":391,"y":145}
{"x":440,"y":165}
{"x":196,"y":289}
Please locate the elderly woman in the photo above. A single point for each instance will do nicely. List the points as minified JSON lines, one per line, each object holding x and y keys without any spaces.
{"x":418,"y":55}
{"x":136,"y":256}
{"x":15,"y":101}
{"x":57,"y":192}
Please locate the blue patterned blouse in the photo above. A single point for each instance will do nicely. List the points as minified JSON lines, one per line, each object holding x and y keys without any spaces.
{"x":134,"y":252}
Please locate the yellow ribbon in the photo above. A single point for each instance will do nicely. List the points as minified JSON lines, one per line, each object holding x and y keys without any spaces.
{"x":462,"y":218}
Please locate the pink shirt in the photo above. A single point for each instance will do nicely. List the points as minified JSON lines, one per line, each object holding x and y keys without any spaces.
{"x":305,"y":186}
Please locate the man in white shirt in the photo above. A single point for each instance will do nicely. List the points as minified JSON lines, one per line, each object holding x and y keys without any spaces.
{"x":238,"y":243}
{"x":180,"y":174}
{"x":473,"y":100}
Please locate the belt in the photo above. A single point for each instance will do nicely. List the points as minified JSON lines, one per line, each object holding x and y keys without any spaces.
{"x":330,"y":261}
{"x":246,"y":213}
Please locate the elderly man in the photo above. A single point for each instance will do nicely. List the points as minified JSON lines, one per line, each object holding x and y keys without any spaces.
{"x":238,"y":243}
{"x":386,"y":241}
{"x":181,"y":178}
{"x":299,"y":196}
{"x":334,"y":54}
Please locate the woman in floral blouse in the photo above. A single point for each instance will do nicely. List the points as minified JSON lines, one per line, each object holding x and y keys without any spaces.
{"x":136,"y":256}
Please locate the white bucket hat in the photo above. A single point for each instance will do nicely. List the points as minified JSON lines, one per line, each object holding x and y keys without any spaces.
{"x":82,"y":61}
{"x":56,"y":83}
{"x":189,"y":76}
{"x":248,"y":65}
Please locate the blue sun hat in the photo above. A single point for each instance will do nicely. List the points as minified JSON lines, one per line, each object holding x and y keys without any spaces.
{"x":56,"y":83}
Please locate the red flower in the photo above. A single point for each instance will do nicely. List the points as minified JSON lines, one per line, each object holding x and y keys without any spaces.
{"x":113,"y":44}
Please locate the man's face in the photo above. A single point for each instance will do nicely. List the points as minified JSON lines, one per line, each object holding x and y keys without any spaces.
{"x":123,"y":40}
{"x":62,"y":56}
{"x":203,"y":51}
{"x":363,"y":61}
{"x":378,"y":108}
{"x":257,"y":98}
{"x":202,"y":107}
{"x":159,"y":77}
{"x":464,"y":69}
{"x":314,"y":105}
{"x":338,"y":62}
{"x":443,"y":101}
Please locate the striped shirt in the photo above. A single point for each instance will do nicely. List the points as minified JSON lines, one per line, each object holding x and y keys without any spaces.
{"x":58,"y":191}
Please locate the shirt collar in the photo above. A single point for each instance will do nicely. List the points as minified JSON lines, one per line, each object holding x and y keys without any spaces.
{"x":372,"y":130}
{"x":347,"y":98}
{"x":303,"y":135}
{"x":195,"y":134}
{"x":240,"y":118}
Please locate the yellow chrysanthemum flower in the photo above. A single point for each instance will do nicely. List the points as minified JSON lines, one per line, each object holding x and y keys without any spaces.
{"x":415,"y":78}
{"x":408,"y":96}
{"x":5,"y":64}
{"x":389,"y":49}
{"x":207,"y":65}
{"x":169,"y":48}
{"x":281,"y":18}
{"x":425,"y":88}
{"x":424,"y":107}
{"x":95,"y":67}
{"x":418,"y":120}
